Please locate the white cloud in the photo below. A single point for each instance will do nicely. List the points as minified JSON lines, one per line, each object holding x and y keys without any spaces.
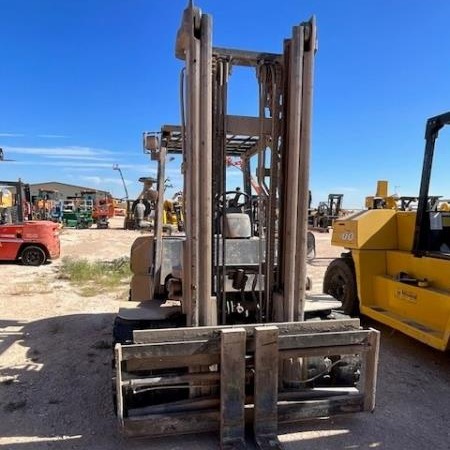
{"x":11,"y":135}
{"x":104,"y":180}
{"x":58,"y":151}
{"x":52,"y":136}
{"x":78,"y":169}
{"x":83,"y":157}
{"x":73,"y":164}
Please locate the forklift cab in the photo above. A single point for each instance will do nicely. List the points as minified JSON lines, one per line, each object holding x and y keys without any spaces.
{"x":439,"y":236}
{"x":432,"y":227}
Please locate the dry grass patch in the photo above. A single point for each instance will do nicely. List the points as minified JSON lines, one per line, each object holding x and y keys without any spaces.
{"x":95,"y":277}
{"x":30,"y":288}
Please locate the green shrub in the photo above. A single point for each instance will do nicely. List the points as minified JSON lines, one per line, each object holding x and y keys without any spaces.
{"x":95,"y":277}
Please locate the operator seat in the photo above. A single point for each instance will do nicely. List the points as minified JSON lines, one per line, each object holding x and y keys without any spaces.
{"x":237,"y":225}
{"x":237,"y":221}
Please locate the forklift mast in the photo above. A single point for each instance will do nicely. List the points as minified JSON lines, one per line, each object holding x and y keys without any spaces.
{"x":335,"y":204}
{"x":427,"y":204}
{"x":278,"y":140}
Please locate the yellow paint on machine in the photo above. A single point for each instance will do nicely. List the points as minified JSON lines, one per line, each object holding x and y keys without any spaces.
{"x":372,"y":229}
{"x":381,"y":241}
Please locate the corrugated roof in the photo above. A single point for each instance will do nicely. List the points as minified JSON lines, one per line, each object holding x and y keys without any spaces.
{"x":81,"y":188}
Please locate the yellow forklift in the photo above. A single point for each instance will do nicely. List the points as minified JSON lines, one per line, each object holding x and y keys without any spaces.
{"x":398,"y":264}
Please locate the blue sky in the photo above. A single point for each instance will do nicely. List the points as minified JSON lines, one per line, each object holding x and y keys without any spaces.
{"x":81,"y":80}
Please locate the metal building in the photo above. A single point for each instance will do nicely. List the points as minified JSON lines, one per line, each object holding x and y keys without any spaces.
{"x":65,"y":190}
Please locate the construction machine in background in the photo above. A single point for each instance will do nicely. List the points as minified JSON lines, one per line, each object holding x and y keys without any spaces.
{"x":47,"y":205}
{"x":32,"y":242}
{"x":80,"y":211}
{"x":216,"y":332}
{"x":128,"y":221}
{"x":382,"y":199}
{"x":77,"y":212}
{"x":172,"y":208}
{"x":147,"y":197}
{"x":173,"y":219}
{"x":116,"y":167}
{"x":323,"y":217}
{"x":398,"y":260}
{"x":102,"y":207}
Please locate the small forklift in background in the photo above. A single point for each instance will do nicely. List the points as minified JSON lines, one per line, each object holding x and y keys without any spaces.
{"x":148,"y":197}
{"x":323,"y":217}
{"x":32,"y":242}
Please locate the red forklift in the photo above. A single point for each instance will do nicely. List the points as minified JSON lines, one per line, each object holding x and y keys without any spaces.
{"x":32,"y":242}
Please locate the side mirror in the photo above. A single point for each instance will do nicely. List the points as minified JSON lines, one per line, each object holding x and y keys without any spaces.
{"x":151,"y":142}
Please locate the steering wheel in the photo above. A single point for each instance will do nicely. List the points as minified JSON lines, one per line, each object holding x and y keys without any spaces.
{"x":222,"y":200}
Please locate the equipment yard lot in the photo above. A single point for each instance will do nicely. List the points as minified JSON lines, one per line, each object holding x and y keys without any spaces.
{"x":55,"y":368}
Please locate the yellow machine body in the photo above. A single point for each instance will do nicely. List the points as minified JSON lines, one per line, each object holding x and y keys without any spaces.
{"x":381,"y":242}
{"x":169,"y":216}
{"x":381,"y":199}
{"x":6,"y":198}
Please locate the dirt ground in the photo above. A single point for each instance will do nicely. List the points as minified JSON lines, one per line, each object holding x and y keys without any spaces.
{"x":55,"y":360}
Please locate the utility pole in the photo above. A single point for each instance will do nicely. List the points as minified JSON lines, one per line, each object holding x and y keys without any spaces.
{"x":116,"y":167}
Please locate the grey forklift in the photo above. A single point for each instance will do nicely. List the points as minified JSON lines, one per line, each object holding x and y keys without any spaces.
{"x":220,"y":331}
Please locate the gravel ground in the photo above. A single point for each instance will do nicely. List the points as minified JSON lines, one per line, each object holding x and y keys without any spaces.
{"x":55,"y":369}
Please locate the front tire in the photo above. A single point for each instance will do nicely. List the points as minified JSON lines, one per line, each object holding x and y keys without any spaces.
{"x":340,"y":282}
{"x":33,"y":256}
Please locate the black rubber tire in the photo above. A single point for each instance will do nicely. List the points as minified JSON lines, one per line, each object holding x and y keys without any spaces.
{"x":340,"y":282}
{"x":33,"y":255}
